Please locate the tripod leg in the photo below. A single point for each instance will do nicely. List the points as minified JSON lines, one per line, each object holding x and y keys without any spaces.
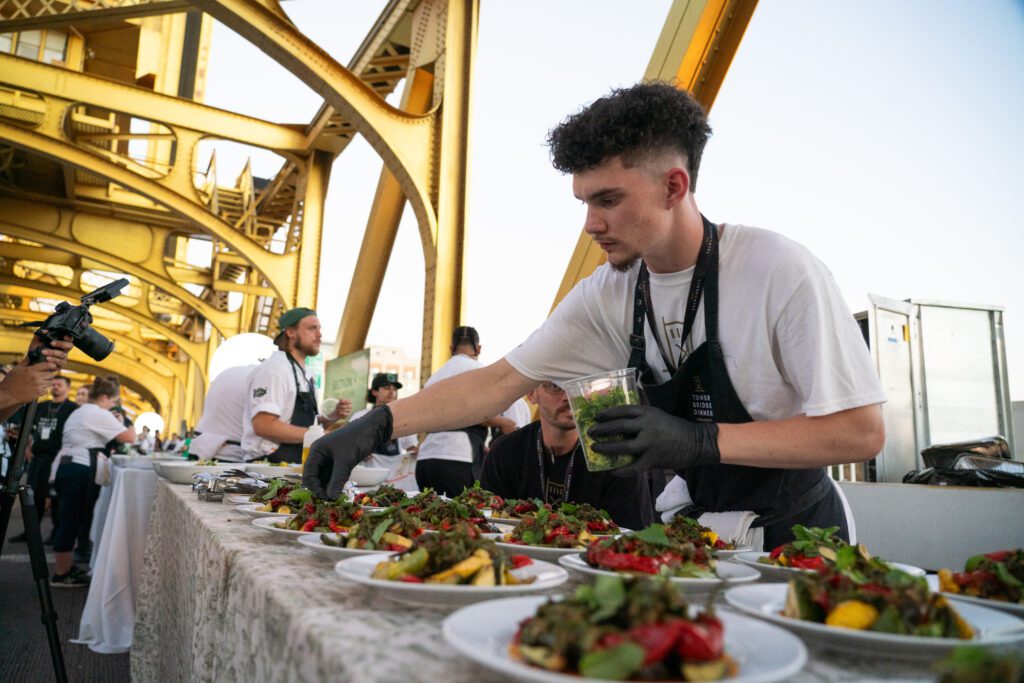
{"x":41,"y":576}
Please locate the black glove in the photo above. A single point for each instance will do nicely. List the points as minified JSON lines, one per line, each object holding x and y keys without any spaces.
{"x":657,"y":439}
{"x":332,"y":456}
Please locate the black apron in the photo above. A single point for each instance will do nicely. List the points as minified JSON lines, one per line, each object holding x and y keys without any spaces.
{"x":304,"y":414}
{"x":701,"y":391}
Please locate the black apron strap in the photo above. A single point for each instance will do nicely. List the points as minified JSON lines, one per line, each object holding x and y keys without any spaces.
{"x":705,"y":274}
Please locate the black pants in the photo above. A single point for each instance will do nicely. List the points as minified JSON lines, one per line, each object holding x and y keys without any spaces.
{"x":74,"y":488}
{"x":39,"y":482}
{"x":447,"y":477}
{"x":90,"y":505}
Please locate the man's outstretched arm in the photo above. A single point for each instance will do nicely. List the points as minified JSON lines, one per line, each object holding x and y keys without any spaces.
{"x":466,"y":399}
{"x":461,"y":401}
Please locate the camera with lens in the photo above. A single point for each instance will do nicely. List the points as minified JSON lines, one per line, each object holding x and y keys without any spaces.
{"x":74,"y":321}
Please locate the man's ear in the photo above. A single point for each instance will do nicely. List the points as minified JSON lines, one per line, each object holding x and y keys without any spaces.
{"x":677,"y":186}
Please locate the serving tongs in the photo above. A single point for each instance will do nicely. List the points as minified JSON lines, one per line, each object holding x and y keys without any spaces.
{"x":212,"y":487}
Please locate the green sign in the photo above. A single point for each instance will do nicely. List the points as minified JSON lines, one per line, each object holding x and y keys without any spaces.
{"x":348,"y":377}
{"x":315,"y":364}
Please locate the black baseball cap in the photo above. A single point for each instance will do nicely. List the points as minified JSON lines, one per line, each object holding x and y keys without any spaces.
{"x":383,"y":379}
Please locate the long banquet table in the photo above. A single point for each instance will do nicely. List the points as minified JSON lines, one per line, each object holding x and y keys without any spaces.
{"x":222,"y":600}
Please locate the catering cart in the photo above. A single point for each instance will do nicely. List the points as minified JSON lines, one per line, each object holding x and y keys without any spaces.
{"x":943,"y":368}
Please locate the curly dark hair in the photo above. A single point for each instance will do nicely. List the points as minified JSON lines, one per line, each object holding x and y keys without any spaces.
{"x":633,"y":123}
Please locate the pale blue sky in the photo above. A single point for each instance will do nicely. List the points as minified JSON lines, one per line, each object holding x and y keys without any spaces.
{"x":883,"y":135}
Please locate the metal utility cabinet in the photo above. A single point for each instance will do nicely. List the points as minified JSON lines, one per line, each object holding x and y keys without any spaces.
{"x":943,"y":368}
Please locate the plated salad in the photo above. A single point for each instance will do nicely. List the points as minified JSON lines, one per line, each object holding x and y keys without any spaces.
{"x":386,"y":495}
{"x":857,"y":591}
{"x":515,"y":508}
{"x":392,"y":530}
{"x":277,"y":497}
{"x":992,"y":576}
{"x":814,"y":549}
{"x":460,"y":556}
{"x":625,"y":630}
{"x":651,"y":551}
{"x":688,"y":530}
{"x":478,"y":498}
{"x":441,"y":515}
{"x":550,"y":529}
{"x":323,"y":516}
{"x":598,"y":521}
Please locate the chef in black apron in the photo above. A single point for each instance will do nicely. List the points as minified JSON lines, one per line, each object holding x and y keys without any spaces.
{"x":271,"y":383}
{"x":304,"y":412}
{"x":701,"y":392}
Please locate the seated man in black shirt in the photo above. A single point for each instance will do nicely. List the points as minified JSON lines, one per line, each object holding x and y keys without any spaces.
{"x":545,"y":460}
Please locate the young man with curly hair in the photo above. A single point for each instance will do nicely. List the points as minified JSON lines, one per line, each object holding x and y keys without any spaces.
{"x":756,"y":373}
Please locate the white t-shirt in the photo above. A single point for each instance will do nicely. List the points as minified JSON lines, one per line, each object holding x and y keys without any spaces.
{"x":88,"y":427}
{"x":790,"y":344}
{"x":271,"y":389}
{"x":404,"y":442}
{"x":449,"y":445}
{"x":223,"y":416}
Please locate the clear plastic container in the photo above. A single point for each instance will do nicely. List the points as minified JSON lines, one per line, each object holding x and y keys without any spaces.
{"x":590,"y":395}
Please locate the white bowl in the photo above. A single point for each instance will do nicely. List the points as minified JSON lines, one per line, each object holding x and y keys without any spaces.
{"x":368,"y":476}
{"x":182,"y":473}
{"x":273,"y":470}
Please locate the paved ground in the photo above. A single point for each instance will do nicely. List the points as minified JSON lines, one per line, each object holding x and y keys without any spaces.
{"x":24,"y":652}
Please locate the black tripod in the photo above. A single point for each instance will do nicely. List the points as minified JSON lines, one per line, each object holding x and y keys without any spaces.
{"x":36,"y":552}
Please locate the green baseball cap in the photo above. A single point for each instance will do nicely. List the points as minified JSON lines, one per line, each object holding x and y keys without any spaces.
{"x":289,"y":318}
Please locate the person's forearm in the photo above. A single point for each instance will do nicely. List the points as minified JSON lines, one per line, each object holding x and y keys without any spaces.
{"x":504,"y":424}
{"x":274,"y":429}
{"x":803,"y":442}
{"x":461,"y":401}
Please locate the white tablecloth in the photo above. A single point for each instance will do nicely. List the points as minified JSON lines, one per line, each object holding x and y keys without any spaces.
{"x":109,"y":615}
{"x":222,"y":600}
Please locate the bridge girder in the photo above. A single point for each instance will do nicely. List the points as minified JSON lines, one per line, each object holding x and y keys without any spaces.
{"x":87,"y":235}
{"x":9,"y":284}
{"x":426,"y":153}
{"x":62,"y":91}
{"x":143,"y":380}
{"x":132,"y":341}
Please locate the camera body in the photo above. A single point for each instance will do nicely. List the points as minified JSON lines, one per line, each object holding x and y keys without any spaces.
{"x":74,"y":322}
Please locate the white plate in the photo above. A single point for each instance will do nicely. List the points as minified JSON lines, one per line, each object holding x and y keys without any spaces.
{"x":250,"y":509}
{"x":273,"y":470}
{"x":537,"y":552}
{"x":727,"y":571}
{"x":730,"y":554}
{"x":359,"y":569}
{"x":1001,"y":605}
{"x":483,"y":633}
{"x":767,"y":601}
{"x":269,"y":522}
{"x":181,"y":473}
{"x":314,"y":542}
{"x":238,"y":498}
{"x":777,"y":573}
